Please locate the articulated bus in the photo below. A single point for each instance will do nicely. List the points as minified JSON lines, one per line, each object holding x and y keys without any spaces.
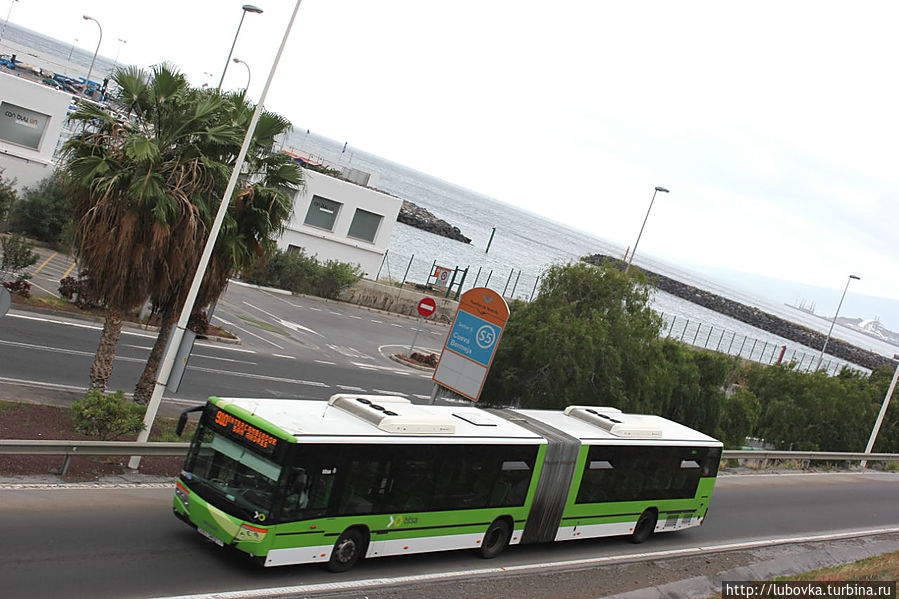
{"x":303,"y":481}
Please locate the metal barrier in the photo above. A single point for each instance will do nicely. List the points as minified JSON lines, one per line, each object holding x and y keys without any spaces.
{"x":129,"y":448}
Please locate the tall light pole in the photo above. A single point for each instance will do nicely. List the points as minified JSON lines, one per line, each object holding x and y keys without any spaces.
{"x":6,"y":22}
{"x":168,"y":360}
{"x":246,"y":8}
{"x":119,"y":51}
{"x":883,"y":410}
{"x":94,"y":59}
{"x":834,"y":321}
{"x":71,"y":50}
{"x":247,"y":88}
{"x":640,"y":234}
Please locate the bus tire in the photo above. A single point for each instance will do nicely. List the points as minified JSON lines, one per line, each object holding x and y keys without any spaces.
{"x":348,"y":549}
{"x":645,"y":526}
{"x":496,"y":539}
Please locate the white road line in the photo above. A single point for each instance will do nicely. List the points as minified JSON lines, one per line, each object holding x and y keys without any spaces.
{"x":356,"y":586}
{"x":257,"y":336}
{"x":78,"y":325}
{"x":400,"y":393}
{"x":225,"y":346}
{"x":42,"y":384}
{"x":59,"y":350}
{"x":397,"y":325}
{"x":261,"y":377}
{"x":135,"y":346}
{"x":325,"y":362}
{"x":285,"y":356}
{"x":377,"y":321}
{"x":193,"y":355}
{"x":349,"y":388}
{"x":355,"y":317}
{"x":334,"y":313}
{"x":284,"y":323}
{"x":316,"y":309}
{"x":420,"y":396}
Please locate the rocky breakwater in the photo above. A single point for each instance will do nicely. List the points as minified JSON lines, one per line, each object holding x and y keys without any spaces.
{"x":752,"y":316}
{"x":418,"y":217}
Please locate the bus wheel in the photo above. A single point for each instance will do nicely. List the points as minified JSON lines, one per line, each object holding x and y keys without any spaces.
{"x":646,"y":524}
{"x":496,"y":539}
{"x":347,"y":551}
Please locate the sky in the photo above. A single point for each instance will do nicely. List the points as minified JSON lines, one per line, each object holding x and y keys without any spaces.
{"x":773,"y":124}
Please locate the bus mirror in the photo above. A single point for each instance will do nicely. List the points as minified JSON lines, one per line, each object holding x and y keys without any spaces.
{"x":182,"y":420}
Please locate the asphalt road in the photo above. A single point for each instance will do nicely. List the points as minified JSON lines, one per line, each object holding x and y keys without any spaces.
{"x":119,"y":543}
{"x":290,"y":347}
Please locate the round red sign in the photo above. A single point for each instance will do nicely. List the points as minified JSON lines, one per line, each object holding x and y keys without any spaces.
{"x":427,"y":306}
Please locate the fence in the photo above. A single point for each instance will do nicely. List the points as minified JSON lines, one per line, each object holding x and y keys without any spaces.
{"x":753,"y":349}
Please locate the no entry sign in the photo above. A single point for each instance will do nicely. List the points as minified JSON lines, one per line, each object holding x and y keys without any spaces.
{"x":427,"y":306}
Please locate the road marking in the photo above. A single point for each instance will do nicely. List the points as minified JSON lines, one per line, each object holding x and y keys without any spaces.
{"x":44,"y":263}
{"x":316,"y":309}
{"x":350,"y":388}
{"x":261,"y":377}
{"x":397,"y":325}
{"x":59,"y":350}
{"x":285,"y":323}
{"x":350,"y":352}
{"x":355,"y":317}
{"x":257,"y":336}
{"x":400,"y":393}
{"x":419,"y":579}
{"x":52,"y":321}
{"x":136,"y":346}
{"x":334,"y":313}
{"x":69,"y":270}
{"x":285,"y":356}
{"x":325,"y":362}
{"x":193,"y":355}
{"x":419,"y":396}
{"x":42,"y":384}
{"x":377,"y":321}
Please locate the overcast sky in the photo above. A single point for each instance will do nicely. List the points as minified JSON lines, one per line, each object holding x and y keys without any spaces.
{"x":772,"y":123}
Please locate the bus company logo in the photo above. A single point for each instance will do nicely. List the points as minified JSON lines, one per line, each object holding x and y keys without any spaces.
{"x":21,"y":119}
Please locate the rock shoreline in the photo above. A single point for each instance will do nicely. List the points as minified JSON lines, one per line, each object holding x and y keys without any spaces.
{"x":418,"y":217}
{"x":752,"y":316}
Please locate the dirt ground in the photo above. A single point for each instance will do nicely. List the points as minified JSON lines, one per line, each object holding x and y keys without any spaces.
{"x":33,"y":421}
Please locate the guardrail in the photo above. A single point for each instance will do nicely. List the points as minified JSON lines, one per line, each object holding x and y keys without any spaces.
{"x":129,"y":448}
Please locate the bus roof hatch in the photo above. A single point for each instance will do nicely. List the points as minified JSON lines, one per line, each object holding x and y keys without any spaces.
{"x":630,"y":426}
{"x":393,"y":414}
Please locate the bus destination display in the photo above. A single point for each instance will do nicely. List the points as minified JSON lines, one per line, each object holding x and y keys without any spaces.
{"x":238,"y":428}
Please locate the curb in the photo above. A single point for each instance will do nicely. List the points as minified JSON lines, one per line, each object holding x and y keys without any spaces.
{"x":409,"y":364}
{"x":125,"y":323}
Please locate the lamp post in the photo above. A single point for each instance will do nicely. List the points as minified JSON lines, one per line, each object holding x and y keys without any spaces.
{"x":6,"y":22}
{"x":119,"y":51}
{"x":640,"y":234}
{"x":246,"y":8}
{"x":834,"y":321}
{"x":71,"y":50}
{"x":168,"y":360}
{"x":248,"y":73}
{"x":91,"y":69}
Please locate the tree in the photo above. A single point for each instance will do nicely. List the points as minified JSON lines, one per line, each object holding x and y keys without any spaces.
{"x":258,"y":212}
{"x":145,"y":190}
{"x":8,"y":197}
{"x":44,"y":212}
{"x":588,"y":338}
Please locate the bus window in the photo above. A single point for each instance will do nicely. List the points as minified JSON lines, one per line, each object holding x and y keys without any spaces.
{"x":363,"y":487}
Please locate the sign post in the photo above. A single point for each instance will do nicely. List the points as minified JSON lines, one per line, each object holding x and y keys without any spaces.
{"x":426,"y":307}
{"x":472,"y":342}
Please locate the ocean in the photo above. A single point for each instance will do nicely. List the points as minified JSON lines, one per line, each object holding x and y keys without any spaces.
{"x":523,"y":246}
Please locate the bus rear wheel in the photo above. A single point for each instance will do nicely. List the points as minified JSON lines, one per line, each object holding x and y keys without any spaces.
{"x":645,"y":526}
{"x":347,"y":551}
{"x":496,"y":539}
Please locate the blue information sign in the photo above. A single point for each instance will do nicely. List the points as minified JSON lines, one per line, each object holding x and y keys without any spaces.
{"x":473,"y":337}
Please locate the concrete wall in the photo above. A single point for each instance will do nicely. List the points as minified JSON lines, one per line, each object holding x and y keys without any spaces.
{"x":399,"y":301}
{"x":336,"y":244}
{"x":28,"y":137}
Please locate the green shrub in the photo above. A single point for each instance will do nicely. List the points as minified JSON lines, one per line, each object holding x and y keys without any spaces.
{"x":8,"y":196}
{"x":18,"y":255}
{"x":45,"y":212}
{"x":297,"y":272}
{"x":107,"y":416}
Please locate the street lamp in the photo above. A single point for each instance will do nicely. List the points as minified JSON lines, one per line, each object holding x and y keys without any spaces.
{"x":834,"y":321}
{"x":246,"y":8}
{"x":640,"y":234}
{"x":91,"y":69}
{"x":6,"y":22}
{"x":119,"y":51}
{"x":248,"y":72}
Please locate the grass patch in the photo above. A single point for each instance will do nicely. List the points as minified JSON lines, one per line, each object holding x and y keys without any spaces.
{"x":265,"y":326}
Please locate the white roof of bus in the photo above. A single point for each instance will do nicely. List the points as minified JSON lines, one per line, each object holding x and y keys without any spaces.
{"x":313,"y":420}
{"x":586,"y":432}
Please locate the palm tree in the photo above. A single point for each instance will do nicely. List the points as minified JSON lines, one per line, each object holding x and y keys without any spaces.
{"x":259,"y":211}
{"x":143,"y":190}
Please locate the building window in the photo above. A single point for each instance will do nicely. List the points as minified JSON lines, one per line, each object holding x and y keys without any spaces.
{"x":365,"y":225}
{"x":322,"y":213}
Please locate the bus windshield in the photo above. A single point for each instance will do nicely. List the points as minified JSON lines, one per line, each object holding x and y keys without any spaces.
{"x":237,"y":475}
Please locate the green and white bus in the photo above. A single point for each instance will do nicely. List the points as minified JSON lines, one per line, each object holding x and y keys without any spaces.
{"x":303,"y":481}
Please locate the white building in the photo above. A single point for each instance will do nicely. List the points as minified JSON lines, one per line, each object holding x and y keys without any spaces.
{"x":31,"y":121}
{"x":338,"y":220}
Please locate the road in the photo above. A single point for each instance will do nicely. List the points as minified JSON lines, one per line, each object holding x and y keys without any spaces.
{"x":124,"y":542}
{"x":290,"y":347}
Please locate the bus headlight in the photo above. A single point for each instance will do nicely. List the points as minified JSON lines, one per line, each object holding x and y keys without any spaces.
{"x":250,"y":533}
{"x":182,"y":494}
